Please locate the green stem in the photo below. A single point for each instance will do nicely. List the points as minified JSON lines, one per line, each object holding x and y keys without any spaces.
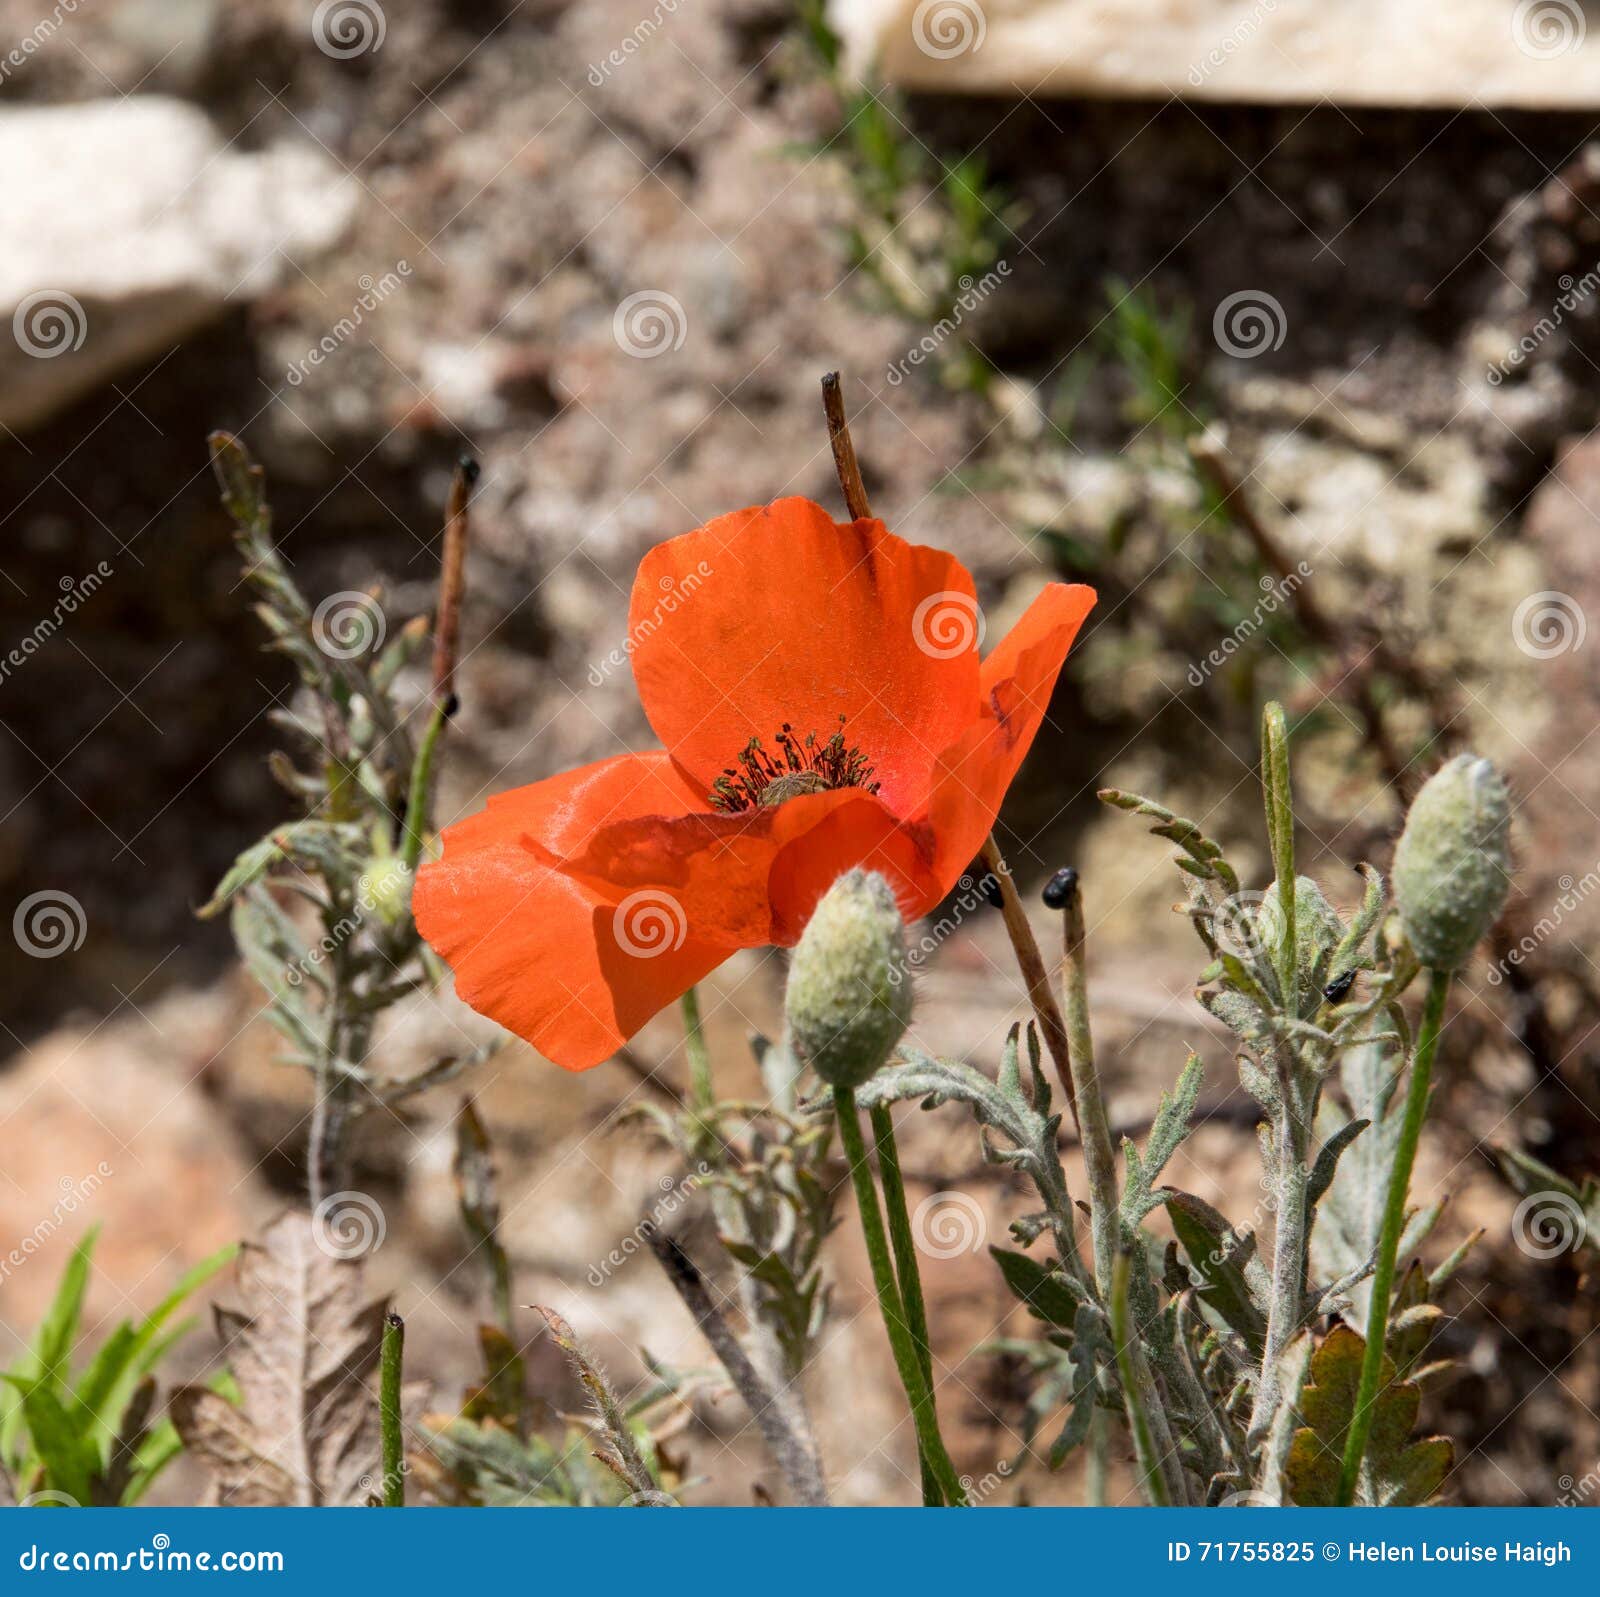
{"x":1128,"y":1360}
{"x":905,"y":1267}
{"x":1394,"y":1219}
{"x":394,"y":1476}
{"x":702,"y":1094}
{"x":1280,"y":829}
{"x":702,"y":1090}
{"x":1286,"y":1310}
{"x":417,"y":800}
{"x":1099,"y":1454}
{"x":918,"y":1392}
{"x":1099,"y":1157}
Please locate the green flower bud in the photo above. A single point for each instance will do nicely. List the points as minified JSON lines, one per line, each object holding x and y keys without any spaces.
{"x":849,"y":996}
{"x":1317,"y":932}
{"x":385,"y":890}
{"x":1453,"y":865}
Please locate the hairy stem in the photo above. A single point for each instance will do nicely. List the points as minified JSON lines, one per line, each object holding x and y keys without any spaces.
{"x":1279,"y":799}
{"x":1034,"y":975}
{"x":1394,"y":1219}
{"x":919,"y":1394}
{"x":1099,"y":1159}
{"x":1128,"y":1361}
{"x":702,"y":1092}
{"x":1288,"y":1251}
{"x":794,"y":1452}
{"x":905,"y":1265}
{"x":446,"y":649}
{"x":844,"y":449}
{"x":390,"y":1362}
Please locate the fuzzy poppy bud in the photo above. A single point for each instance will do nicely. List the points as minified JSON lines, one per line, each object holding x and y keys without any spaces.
{"x":849,"y":996}
{"x":385,"y":890}
{"x":1453,"y":864}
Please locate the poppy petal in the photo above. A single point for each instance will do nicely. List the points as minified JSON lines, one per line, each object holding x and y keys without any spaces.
{"x":573,"y":972}
{"x":1018,"y":679}
{"x":778,"y":614}
{"x":751,"y":879}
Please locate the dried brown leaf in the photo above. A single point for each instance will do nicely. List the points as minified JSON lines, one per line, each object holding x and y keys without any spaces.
{"x":301,"y":1347}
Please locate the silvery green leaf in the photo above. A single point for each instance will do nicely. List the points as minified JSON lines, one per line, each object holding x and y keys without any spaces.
{"x":1349,"y":1217}
{"x":1047,"y":1292}
{"x":1322,"y":1172}
{"x":1167,"y":1131}
{"x":1219,"y":1260}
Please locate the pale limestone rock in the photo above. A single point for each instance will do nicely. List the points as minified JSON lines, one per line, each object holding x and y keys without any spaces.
{"x":129,"y":224}
{"x":1532,"y":53}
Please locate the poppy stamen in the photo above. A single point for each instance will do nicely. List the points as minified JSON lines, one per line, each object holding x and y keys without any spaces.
{"x":809,"y":766}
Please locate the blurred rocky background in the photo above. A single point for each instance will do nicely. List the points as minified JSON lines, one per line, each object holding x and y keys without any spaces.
{"x":1305,"y":388}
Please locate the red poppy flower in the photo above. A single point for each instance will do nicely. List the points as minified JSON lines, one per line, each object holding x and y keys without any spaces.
{"x":819,"y":694}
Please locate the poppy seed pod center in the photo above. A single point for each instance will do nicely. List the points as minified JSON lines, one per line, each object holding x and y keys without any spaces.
{"x":762,"y":780}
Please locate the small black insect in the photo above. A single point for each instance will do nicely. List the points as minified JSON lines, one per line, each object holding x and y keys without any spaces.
{"x":1339,"y":986}
{"x":1059,"y":889}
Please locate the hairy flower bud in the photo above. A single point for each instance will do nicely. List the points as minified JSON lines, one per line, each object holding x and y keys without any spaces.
{"x":1453,"y":863}
{"x":385,"y":890}
{"x":849,"y":996}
